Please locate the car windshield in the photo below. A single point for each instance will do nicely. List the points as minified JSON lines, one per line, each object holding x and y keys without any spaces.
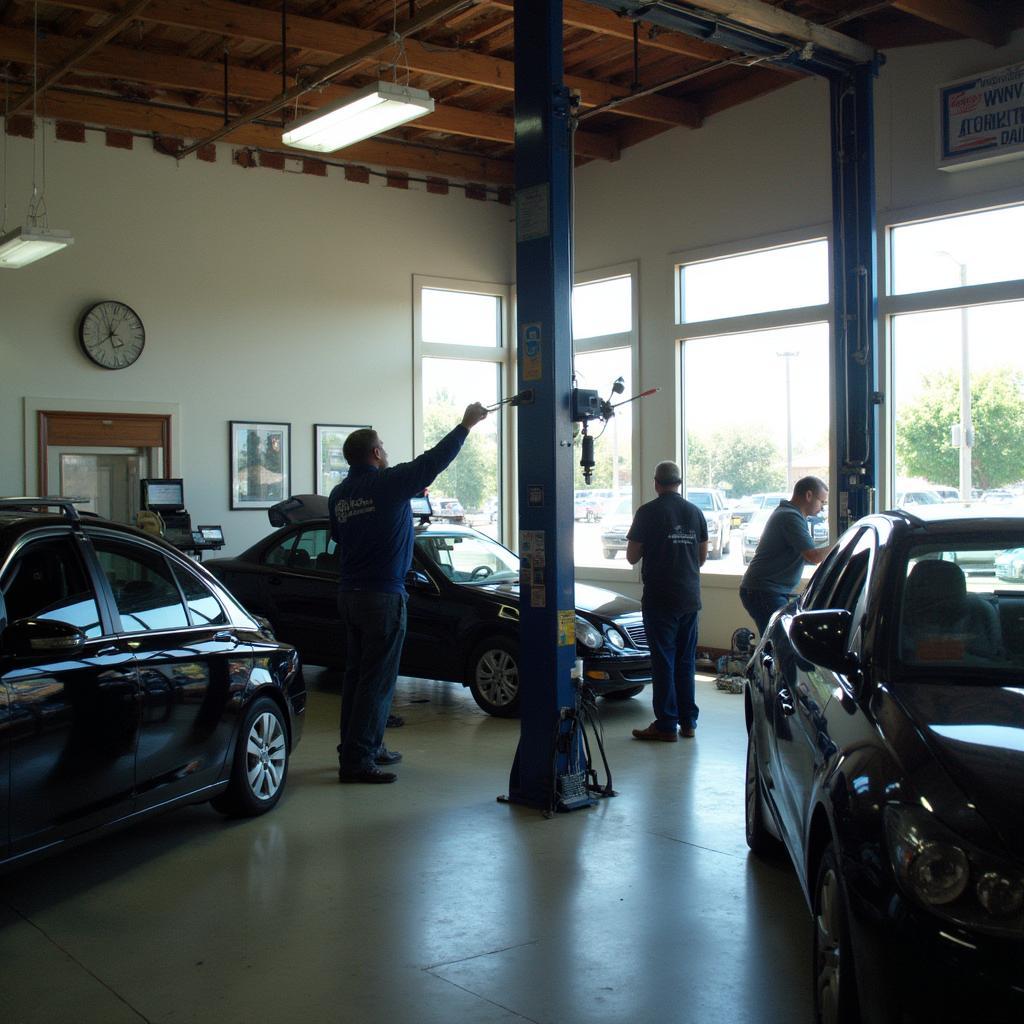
{"x":962,"y":607}
{"x":469,"y":558}
{"x":702,"y":499}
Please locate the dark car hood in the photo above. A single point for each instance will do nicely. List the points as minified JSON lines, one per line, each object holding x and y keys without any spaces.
{"x":595,"y":600}
{"x":977,"y":734}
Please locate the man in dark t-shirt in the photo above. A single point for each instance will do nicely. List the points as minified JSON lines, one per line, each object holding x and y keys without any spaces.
{"x":670,"y":534}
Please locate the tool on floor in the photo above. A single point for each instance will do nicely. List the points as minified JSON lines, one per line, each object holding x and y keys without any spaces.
{"x":732,"y":667}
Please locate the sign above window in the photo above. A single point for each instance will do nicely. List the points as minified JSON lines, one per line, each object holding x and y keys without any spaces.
{"x":981,"y":119}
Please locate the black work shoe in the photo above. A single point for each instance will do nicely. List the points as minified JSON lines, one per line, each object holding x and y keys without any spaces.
{"x":365,"y":775}
{"x":395,"y":721}
{"x":385,"y":756}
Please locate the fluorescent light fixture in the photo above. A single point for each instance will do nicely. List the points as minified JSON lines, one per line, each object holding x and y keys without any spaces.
{"x":364,"y":113}
{"x":23,"y":246}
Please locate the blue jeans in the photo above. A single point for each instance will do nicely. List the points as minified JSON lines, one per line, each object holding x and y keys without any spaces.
{"x":375,"y":628}
{"x":761,"y":605}
{"x":672,"y":638}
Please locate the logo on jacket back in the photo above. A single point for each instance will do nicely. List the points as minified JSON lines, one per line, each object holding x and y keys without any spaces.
{"x":680,"y":536}
{"x":349,"y":508}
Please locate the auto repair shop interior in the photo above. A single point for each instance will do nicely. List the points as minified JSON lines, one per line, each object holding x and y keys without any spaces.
{"x":782,"y":215}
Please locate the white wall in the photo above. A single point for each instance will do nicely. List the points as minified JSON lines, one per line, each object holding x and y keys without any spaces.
{"x":265,"y":296}
{"x":760,"y":169}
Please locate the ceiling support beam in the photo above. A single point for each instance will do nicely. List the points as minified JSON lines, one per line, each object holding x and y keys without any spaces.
{"x":436,"y":12}
{"x":206,"y":78}
{"x":106,"y":32}
{"x":255,"y":24}
{"x":967,"y":19}
{"x":147,"y":118}
{"x":754,"y":29}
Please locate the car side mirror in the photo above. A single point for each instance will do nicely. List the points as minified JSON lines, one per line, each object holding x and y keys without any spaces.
{"x":416,"y":579}
{"x":821,"y":638}
{"x":32,"y":637}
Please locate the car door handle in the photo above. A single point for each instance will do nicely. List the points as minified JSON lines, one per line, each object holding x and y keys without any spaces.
{"x":786,"y":702}
{"x":112,"y":649}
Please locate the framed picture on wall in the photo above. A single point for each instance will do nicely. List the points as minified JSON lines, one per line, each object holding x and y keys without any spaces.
{"x":329,"y":466}
{"x":261,"y":463}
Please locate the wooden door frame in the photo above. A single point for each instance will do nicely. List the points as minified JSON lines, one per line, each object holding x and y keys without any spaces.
{"x":100,"y":430}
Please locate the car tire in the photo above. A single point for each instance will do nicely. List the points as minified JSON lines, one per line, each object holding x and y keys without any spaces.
{"x":759,"y":839}
{"x":835,"y":987}
{"x":623,"y":694}
{"x":494,"y":676}
{"x":716,"y":551}
{"x":608,"y":552}
{"x":260,"y":766}
{"x":728,"y":544}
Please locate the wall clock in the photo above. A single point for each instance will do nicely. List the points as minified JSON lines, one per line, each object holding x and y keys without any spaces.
{"x":111,"y":334}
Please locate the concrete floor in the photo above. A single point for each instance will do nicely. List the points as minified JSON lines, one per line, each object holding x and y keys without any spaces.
{"x":427,"y":901}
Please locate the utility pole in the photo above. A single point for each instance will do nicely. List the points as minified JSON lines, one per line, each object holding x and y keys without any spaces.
{"x":789,"y":421}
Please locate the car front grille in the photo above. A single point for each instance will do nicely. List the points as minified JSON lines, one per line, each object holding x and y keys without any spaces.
{"x":637,"y":634}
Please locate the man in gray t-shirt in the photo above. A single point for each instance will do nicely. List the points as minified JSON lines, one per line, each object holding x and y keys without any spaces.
{"x":784,"y":549}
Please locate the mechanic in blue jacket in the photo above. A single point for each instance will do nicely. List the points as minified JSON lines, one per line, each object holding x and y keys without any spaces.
{"x":372,"y":523}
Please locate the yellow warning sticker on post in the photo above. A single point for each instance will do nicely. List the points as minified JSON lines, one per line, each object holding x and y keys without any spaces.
{"x":566,"y":628}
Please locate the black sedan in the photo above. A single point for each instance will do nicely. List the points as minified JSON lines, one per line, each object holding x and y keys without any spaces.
{"x":131,"y":682}
{"x":463,"y":611}
{"x":886,"y":752}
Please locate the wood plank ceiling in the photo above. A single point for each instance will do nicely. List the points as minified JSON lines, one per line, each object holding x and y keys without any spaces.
{"x":179,"y":70}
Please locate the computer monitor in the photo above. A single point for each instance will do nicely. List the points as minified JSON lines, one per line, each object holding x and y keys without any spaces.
{"x":420,"y":505}
{"x":211,"y":534}
{"x":163,"y":495}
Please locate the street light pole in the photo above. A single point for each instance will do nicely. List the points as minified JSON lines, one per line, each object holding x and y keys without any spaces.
{"x":966,"y":426}
{"x":789,"y":421}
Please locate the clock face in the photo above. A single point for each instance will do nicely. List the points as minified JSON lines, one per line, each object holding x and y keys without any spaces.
{"x":111,"y":335}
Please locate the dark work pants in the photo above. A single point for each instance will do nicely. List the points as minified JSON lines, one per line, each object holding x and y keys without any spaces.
{"x":672,"y":638}
{"x":761,"y":605}
{"x":375,"y":630}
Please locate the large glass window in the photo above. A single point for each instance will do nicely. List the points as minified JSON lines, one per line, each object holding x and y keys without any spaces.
{"x":463,"y":357}
{"x":957,"y":364}
{"x":754,"y":359}
{"x":604,"y":338}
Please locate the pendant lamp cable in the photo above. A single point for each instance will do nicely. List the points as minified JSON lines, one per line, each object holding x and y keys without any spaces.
{"x":37,"y":203}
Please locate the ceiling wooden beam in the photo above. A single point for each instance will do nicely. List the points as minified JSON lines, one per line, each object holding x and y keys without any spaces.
{"x":765,"y":18}
{"x":222,"y":17}
{"x":107,"y":31}
{"x":147,"y":118}
{"x":966,"y":19}
{"x":578,"y":14}
{"x":207,"y":78}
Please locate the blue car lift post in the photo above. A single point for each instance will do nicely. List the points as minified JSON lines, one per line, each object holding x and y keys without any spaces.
{"x":544,"y":289}
{"x":545,"y":772}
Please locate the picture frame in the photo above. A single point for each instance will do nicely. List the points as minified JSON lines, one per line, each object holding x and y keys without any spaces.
{"x":260,"y":467}
{"x":329,"y":465}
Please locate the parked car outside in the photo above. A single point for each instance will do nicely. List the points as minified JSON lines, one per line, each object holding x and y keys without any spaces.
{"x":449,"y":509}
{"x":463,"y":610}
{"x":718,"y":517}
{"x":911,"y":499}
{"x":742,"y":513}
{"x":947,"y":493}
{"x":131,"y":682}
{"x":587,"y":506}
{"x":1009,"y":565}
{"x":884,"y":717}
{"x":617,"y":519}
{"x":999,"y":496}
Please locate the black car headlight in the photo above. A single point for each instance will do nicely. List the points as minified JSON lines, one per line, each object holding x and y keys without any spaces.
{"x":951,"y":877}
{"x":587,"y":635}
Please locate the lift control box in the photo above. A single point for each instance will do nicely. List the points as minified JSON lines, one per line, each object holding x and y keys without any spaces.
{"x":585,"y":405}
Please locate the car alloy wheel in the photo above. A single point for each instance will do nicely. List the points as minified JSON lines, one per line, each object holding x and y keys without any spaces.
{"x":494,"y":677}
{"x":260,"y":765}
{"x":759,"y":839}
{"x":834,"y":987}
